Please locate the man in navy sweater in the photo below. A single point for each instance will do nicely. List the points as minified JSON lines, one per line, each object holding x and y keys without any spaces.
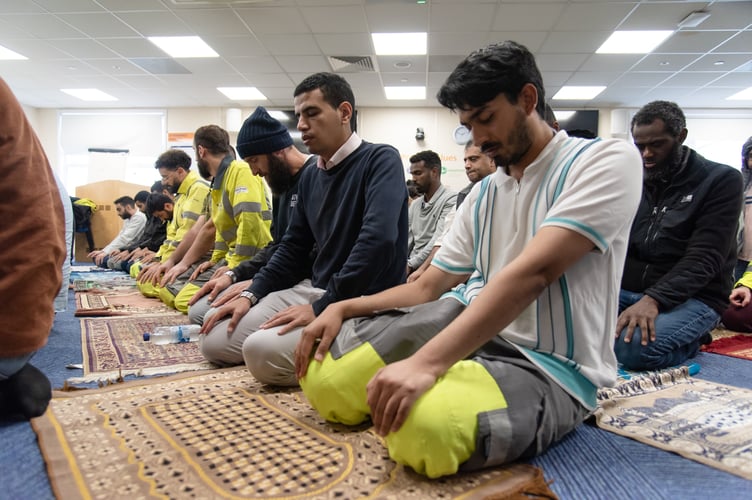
{"x":351,"y":209}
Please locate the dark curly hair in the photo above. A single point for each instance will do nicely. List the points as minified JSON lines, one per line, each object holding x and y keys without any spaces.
{"x":668,"y":111}
{"x":500,"y":68}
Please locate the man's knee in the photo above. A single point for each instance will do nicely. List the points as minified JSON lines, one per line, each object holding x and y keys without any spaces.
{"x":197,"y":311}
{"x":184,"y":296}
{"x":166,"y":296}
{"x":270,"y":357}
{"x":440,"y":432}
{"x":336,"y":388}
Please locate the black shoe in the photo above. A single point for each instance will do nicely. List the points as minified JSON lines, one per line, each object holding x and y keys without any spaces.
{"x":706,"y":338}
{"x":24,"y":395}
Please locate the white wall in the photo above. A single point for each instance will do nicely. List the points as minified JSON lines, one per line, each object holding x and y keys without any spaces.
{"x":717,"y":134}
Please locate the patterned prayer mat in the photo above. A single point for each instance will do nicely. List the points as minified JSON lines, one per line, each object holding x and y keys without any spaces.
{"x":221,"y":434}
{"x":115,"y":346}
{"x":124,"y":302}
{"x":703,"y":421}
{"x":730,"y":343}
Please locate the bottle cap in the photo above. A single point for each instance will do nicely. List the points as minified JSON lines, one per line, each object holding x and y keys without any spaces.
{"x":147,"y":336}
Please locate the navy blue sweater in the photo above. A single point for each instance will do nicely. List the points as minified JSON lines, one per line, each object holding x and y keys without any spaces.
{"x":355,"y":216}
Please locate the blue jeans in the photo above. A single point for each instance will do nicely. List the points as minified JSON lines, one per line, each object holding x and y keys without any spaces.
{"x":677,"y":335}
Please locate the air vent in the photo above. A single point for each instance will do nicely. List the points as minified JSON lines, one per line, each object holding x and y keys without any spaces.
{"x":351,"y":64}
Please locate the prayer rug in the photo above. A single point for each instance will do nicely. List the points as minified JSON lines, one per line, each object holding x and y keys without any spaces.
{"x":730,"y":343}
{"x":115,"y":347}
{"x":221,"y":434}
{"x":703,"y":421}
{"x":126,"y":302}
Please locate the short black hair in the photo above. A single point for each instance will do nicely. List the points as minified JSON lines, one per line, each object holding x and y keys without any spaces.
{"x":429,"y":158}
{"x":334,"y":88}
{"x":157,"y":201}
{"x":156,"y":187}
{"x":214,"y":138}
{"x":499,"y":68}
{"x":142,"y":196}
{"x":126,"y":201}
{"x":172,"y":159}
{"x":668,"y":111}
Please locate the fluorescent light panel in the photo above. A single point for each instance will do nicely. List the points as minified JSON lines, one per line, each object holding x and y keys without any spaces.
{"x":400,"y":44}
{"x":578,"y":93}
{"x":404,"y":93}
{"x":89,"y":94}
{"x":242,"y":93}
{"x":633,"y":42}
{"x":183,"y":46}
{"x":744,"y":95}
{"x":7,"y":54}
{"x":279,"y":115}
{"x":563,"y":115}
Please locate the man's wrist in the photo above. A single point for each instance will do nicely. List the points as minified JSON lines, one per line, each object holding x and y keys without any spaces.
{"x":246,"y":294}
{"x":232,"y":275}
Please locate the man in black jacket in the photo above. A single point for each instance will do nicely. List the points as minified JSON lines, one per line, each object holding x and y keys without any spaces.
{"x":682,"y":247}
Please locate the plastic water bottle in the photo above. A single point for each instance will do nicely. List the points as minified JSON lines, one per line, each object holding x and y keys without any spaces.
{"x":173,"y":334}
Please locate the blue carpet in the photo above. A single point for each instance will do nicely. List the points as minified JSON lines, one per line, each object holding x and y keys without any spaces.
{"x":590,"y":463}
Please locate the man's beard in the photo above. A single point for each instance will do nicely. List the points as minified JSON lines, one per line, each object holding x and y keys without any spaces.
{"x":279,"y":177}
{"x":125,"y":216}
{"x":518,"y":143}
{"x":660,"y":174}
{"x":173,"y":188}
{"x":203,"y":169}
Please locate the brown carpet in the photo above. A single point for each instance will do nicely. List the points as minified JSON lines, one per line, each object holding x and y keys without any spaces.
{"x":703,"y":421}
{"x":119,"y":302}
{"x":115,"y":346}
{"x":220,"y":434}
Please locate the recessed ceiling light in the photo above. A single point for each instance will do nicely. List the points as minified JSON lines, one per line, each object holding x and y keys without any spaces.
{"x":719,"y":63}
{"x":744,"y":95}
{"x":242,"y":93}
{"x":183,"y":46}
{"x":578,"y":93}
{"x":279,"y":115}
{"x":404,"y":93}
{"x":664,"y":63}
{"x":633,"y":42}
{"x":89,"y":94}
{"x":563,"y":115}
{"x":400,"y":44}
{"x":7,"y":54}
{"x":402,"y":64}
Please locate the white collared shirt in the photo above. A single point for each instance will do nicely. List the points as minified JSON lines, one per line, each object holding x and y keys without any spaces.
{"x":343,"y":152}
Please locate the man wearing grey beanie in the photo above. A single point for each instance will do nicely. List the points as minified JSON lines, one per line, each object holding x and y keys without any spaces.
{"x":266,"y":145}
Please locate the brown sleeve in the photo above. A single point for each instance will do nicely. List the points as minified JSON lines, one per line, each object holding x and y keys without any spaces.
{"x":32,"y":233}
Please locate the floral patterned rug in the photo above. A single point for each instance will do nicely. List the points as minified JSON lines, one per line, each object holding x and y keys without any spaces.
{"x":703,"y":421}
{"x":221,"y":434}
{"x":114,"y":347}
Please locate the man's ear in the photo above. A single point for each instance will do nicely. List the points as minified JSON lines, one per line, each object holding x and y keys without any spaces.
{"x":346,"y":111}
{"x":682,"y":136}
{"x":528,"y":97}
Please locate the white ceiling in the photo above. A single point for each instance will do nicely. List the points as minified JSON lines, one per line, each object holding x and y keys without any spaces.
{"x":274,"y":44}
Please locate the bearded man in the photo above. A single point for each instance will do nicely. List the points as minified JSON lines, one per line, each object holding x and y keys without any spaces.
{"x":682,"y":247}
{"x":266,"y":145}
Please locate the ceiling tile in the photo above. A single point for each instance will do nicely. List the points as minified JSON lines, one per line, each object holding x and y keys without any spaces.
{"x":584,"y":42}
{"x":454,"y":18}
{"x":691,"y":79}
{"x":133,"y":47}
{"x":288,"y":45}
{"x":273,"y":20}
{"x":156,"y":23}
{"x":19,"y":7}
{"x":741,"y":42}
{"x":610,"y":62}
{"x":98,"y":24}
{"x":342,"y":19}
{"x":130,"y":5}
{"x":664,"y":62}
{"x":560,"y":62}
{"x":395,"y":64}
{"x":449,"y":44}
{"x":56,"y":6}
{"x":697,"y":42}
{"x":642,"y":79}
{"x":582,"y":17}
{"x":659,"y":15}
{"x":84,"y":48}
{"x":306,"y":64}
{"x":524,"y":16}
{"x":236,"y":46}
{"x":384,"y":17}
{"x":45,"y":26}
{"x":255,"y":65}
{"x":213,"y":22}
{"x":345,"y":44}
{"x":709,"y":62}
